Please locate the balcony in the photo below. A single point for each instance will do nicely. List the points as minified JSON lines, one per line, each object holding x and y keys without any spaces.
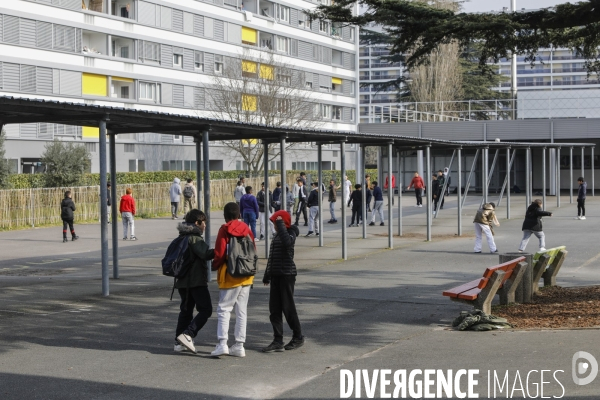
{"x":122,"y":47}
{"x":94,"y":43}
{"x":117,"y":8}
{"x":121,"y":88}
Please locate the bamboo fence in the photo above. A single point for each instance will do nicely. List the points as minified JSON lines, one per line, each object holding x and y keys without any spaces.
{"x":22,"y":208}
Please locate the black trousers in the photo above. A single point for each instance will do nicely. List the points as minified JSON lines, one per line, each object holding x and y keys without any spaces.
{"x":581,"y":207}
{"x":357,"y":214}
{"x":198,"y":297}
{"x":281,"y":300}
{"x":418,"y":194}
{"x":68,"y":223}
{"x":301,"y":209}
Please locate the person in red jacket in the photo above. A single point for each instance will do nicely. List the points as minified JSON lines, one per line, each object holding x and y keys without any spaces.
{"x":127,"y":210}
{"x":417,"y":183}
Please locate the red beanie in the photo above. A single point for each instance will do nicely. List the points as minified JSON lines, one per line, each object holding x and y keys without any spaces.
{"x":287,"y":218}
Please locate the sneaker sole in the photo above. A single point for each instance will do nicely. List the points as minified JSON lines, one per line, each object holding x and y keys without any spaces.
{"x":293,"y":348}
{"x":193,"y":350}
{"x":274,"y":351}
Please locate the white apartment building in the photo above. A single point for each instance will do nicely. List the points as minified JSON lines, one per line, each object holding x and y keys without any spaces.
{"x":162,"y":56}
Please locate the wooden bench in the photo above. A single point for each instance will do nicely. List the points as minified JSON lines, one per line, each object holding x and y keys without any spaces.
{"x":546,"y":264}
{"x":501,"y":279}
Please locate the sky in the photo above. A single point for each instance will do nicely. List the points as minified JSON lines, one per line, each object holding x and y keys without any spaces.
{"x":496,"y":5}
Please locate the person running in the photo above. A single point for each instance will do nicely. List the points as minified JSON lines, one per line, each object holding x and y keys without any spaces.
{"x":581,"y":194}
{"x":67,"y":207}
{"x":533,"y":225}
{"x":356,"y":200}
{"x":435,"y":191}
{"x":175,"y":194}
{"x":193,"y":287}
{"x":483,"y":221}
{"x":262,"y":210}
{"x":332,"y":199}
{"x":249,"y":210}
{"x":378,"y":207}
{"x":127,"y":210}
{"x":302,"y":199}
{"x":189,"y":195}
{"x":280,"y":275}
{"x":417,"y":183}
{"x":239,"y":191}
{"x":233,"y":291}
{"x":313,"y":206}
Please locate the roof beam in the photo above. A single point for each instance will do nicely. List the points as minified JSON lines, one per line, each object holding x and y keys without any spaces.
{"x":27,"y":119}
{"x":156,"y":129}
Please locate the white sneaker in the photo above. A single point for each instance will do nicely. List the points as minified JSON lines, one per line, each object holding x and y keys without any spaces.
{"x":237,"y":350}
{"x":187,"y":342}
{"x":220,"y":349}
{"x":541,"y":249}
{"x":577,"y":218}
{"x":434,"y":213}
{"x":179,"y":348}
{"x":583,"y":217}
{"x":420,"y":205}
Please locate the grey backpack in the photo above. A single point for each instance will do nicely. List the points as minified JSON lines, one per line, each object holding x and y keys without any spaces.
{"x":188,"y":192}
{"x":241,"y":257}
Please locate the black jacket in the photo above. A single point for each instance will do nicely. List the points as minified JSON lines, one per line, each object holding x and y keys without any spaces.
{"x":533,"y":218}
{"x":356,"y":199}
{"x":67,"y":206}
{"x":313,"y":198}
{"x":303,"y":190}
{"x":435,"y":188}
{"x":332,"y":193}
{"x":198,"y":253}
{"x":260,"y":198}
{"x":281,"y":256}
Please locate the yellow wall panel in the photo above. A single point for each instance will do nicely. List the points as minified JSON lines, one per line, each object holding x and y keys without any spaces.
{"x":95,"y":85}
{"x":249,"y":102}
{"x":267,"y":72}
{"x":249,"y":66}
{"x":336,"y":81}
{"x":91,"y":132}
{"x":248,"y":35}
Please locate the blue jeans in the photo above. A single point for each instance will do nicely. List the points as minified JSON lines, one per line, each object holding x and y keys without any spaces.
{"x":332,"y":210}
{"x":250,"y":219}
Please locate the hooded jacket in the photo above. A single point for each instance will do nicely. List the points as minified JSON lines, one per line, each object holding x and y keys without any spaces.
{"x":198,"y":253}
{"x":232,"y":228}
{"x":313,"y":198}
{"x":260,"y":198}
{"x":248,"y":203}
{"x":533,"y":217}
{"x":581,"y":192}
{"x":485,"y":215}
{"x":435,"y":188}
{"x":239,"y":191}
{"x":127,"y":204}
{"x":378,"y":193}
{"x":356,"y":199}
{"x":281,"y":256}
{"x":175,"y":191}
{"x":67,"y":206}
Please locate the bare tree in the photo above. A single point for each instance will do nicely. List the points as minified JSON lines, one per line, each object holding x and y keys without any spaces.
{"x":259,"y":88}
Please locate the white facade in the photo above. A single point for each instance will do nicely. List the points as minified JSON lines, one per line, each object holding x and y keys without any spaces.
{"x":161,"y":55}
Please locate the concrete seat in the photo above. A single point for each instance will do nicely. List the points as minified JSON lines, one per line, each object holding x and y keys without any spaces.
{"x":501,"y":279}
{"x":546,"y":264}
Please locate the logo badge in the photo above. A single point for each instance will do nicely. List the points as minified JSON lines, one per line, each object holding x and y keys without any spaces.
{"x":580,"y":368}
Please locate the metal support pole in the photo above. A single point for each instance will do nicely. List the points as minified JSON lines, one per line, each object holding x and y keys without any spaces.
{"x":582,"y":162}
{"x":267,"y":202}
{"x":571,"y":175}
{"x":527,"y":177}
{"x":509,"y":162}
{"x":469,"y":178}
{"x":400,"y":186}
{"x":103,"y":208}
{"x":484,"y":175}
{"x":206,"y":187}
{"x":320,"y":191}
{"x":113,"y":201}
{"x":344,"y":200}
{"x":390,"y":196}
{"x":429,"y":194}
{"x":506,"y":183}
{"x":198,"y":142}
{"x":544,"y":178}
{"x":557,"y":166}
{"x":443,"y":193}
{"x":459,"y":191}
{"x":592,"y":171}
{"x":283,"y":178}
{"x":364,"y":192}
{"x":530,"y":175}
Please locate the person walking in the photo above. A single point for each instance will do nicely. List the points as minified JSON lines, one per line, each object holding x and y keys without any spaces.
{"x":296,"y":194}
{"x":127,"y":210}
{"x":67,"y":207}
{"x":302,"y":199}
{"x":332,"y":200}
{"x":193,"y":287}
{"x":378,"y":207}
{"x":483,"y":221}
{"x":249,"y":210}
{"x":581,"y":194}
{"x":277,"y":193}
{"x":189,"y":195}
{"x":386,"y":185}
{"x":313,"y":207}
{"x":357,"y":203}
{"x":435,"y":191}
{"x":533,"y":225}
{"x":448,"y":178}
{"x":239,"y":191}
{"x":289,"y":200}
{"x":280,"y":275}
{"x":303,"y":177}
{"x":261,"y":198}
{"x":233,"y":291}
{"x":369,"y":196}
{"x":108,"y":201}
{"x":175,"y":193}
{"x":441,"y":178}
{"x":417,"y":183}
{"x":347,"y":189}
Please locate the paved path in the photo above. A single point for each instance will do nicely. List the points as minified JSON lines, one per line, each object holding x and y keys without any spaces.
{"x":59,"y":339}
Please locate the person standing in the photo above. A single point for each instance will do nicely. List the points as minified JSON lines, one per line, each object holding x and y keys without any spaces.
{"x":277,"y":193}
{"x":378,"y":207}
{"x":280,"y":275}
{"x":127,"y":210}
{"x":483,"y":221}
{"x":233,"y":291}
{"x":108,"y":201}
{"x":175,"y":193}
{"x":332,"y":199}
{"x":435,"y":191}
{"x":296,"y":194}
{"x":417,"y":183}
{"x":369,"y":195}
{"x":533,"y":225}
{"x":356,"y":200}
{"x":441,"y":178}
{"x":302,"y":198}
{"x":289,"y":202}
{"x":313,"y":207}
{"x":249,"y":210}
{"x":261,"y":199}
{"x":189,"y":195}
{"x":347,"y":189}
{"x":193,"y":287}
{"x":581,"y":194}
{"x":303,"y":177}
{"x":448,"y":179}
{"x":239,"y":191}
{"x":67,"y":207}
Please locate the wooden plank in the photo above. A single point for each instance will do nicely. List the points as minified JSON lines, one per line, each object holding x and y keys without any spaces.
{"x":482,"y":283}
{"x":470,"y":294}
{"x":454,"y":292}
{"x":504,"y":267}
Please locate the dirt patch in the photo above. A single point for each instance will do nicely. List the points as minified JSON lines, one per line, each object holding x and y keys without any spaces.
{"x":556,"y":307}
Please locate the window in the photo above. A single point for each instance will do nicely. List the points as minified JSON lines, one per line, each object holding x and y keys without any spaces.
{"x":336,"y":85}
{"x":309,"y":85}
{"x":352,"y":88}
{"x":177,"y":138}
{"x":284,"y":106}
{"x":151,"y":51}
{"x":325,"y":88}
{"x":148,"y":91}
{"x":241,"y":165}
{"x":178,"y":60}
{"x":249,"y":69}
{"x":283,"y":13}
{"x":352,"y":33}
{"x":199,"y":60}
{"x":267,"y":72}
{"x":336,"y":57}
{"x":189,"y":165}
{"x":284,"y":44}
{"x":325,"y":27}
{"x":303,"y":21}
{"x":249,"y":102}
{"x":90,"y":147}
{"x":218,"y":64}
{"x":283,"y":78}
{"x":325,"y":111}
{"x":352,"y":114}
{"x":276,"y":165}
{"x":129,"y":148}
{"x":336,"y":29}
{"x":337,"y":113}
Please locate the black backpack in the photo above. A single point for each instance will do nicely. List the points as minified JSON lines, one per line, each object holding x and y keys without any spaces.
{"x":188,"y":192}
{"x":174,"y":263}
{"x":241,"y":257}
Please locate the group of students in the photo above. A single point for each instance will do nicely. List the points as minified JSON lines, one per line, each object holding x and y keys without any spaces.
{"x":438,"y":181}
{"x":234,"y":292}
{"x":355,"y":200}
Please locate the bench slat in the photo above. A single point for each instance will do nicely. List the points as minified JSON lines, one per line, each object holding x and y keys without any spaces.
{"x":454,"y":292}
{"x":470,"y":294}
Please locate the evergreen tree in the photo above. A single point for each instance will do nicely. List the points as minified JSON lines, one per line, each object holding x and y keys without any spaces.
{"x":4,"y":171}
{"x":65,"y":162}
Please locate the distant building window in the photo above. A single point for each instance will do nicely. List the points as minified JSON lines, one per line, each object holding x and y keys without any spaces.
{"x":178,"y":60}
{"x":325,"y":111}
{"x":218,"y":64}
{"x":199,"y":60}
{"x":336,"y":113}
{"x":283,"y":13}
{"x":148,"y":91}
{"x":325,"y":26}
{"x":284,"y":44}
{"x":129,"y":148}
{"x":90,"y":147}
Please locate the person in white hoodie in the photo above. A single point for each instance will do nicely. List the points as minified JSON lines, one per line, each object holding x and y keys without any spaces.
{"x":175,"y":193}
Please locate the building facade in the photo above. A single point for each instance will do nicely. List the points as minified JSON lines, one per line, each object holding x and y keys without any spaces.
{"x":163,"y":56}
